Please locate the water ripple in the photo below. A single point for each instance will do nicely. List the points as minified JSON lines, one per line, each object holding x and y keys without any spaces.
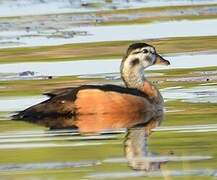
{"x":167,"y":173}
{"x":48,"y":165}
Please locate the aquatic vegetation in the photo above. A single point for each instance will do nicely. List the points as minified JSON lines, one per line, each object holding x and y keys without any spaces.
{"x":105,"y":50}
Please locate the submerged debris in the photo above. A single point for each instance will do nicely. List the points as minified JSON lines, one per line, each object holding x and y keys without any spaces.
{"x":27,"y":73}
{"x":193,"y":79}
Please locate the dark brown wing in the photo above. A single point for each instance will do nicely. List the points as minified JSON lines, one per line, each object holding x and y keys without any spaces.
{"x":57,"y":92}
{"x":59,"y":105}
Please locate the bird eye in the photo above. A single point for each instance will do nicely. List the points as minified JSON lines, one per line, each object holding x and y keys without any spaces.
{"x":145,"y":51}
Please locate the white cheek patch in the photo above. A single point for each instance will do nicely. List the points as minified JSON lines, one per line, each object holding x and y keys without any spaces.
{"x":146,"y":63}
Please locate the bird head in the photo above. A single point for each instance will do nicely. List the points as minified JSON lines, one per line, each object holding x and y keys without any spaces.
{"x":145,"y":55}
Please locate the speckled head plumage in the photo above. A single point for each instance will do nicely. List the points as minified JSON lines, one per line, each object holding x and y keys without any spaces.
{"x":134,"y":46}
{"x":143,"y":54}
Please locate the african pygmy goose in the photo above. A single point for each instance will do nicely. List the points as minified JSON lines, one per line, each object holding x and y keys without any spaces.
{"x":138,"y":96}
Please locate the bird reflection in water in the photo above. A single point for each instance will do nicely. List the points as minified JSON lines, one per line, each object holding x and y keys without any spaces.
{"x":136,"y":147}
{"x":138,"y":126}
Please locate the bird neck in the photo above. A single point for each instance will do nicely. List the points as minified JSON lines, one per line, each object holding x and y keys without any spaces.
{"x":134,"y":77}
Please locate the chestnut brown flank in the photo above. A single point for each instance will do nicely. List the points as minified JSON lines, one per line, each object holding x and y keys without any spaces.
{"x":95,"y":101}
